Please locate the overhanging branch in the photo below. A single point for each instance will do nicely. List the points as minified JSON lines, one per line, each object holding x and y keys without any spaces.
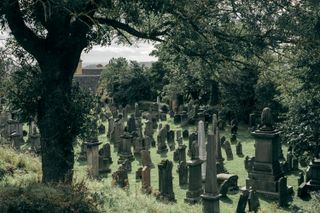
{"x":153,"y":35}
{"x":23,"y":34}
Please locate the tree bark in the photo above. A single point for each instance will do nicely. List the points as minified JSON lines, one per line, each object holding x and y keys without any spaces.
{"x":56,"y":123}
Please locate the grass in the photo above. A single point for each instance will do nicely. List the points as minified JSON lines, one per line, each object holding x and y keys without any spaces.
{"x":23,"y":169}
{"x":236,"y":166}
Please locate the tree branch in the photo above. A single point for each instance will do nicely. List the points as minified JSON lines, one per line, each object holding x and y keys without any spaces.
{"x":23,"y":34}
{"x":154,"y":35}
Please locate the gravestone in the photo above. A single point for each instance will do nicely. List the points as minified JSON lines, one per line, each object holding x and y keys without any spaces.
{"x":221,"y":124}
{"x":253,"y":201}
{"x":101,"y":129}
{"x":93,"y":157}
{"x":185,"y":134}
{"x":313,"y":175}
{"x":195,"y":180}
{"x":265,"y":173}
{"x":202,"y":148}
{"x":242,"y":203}
{"x":146,"y":159}
{"x":131,"y":124}
{"x":300,"y":178}
{"x":219,"y":157}
{"x":170,"y":139}
{"x":283,"y":192}
{"x":139,"y":174}
{"x":183,"y":173}
{"x":289,"y":160}
{"x":228,"y":149}
{"x":177,"y":119}
{"x":295,"y":163}
{"x":137,"y":145}
{"x":210,"y":197}
{"x":162,"y":137}
{"x":165,"y":181}
{"x":176,"y":156}
{"x":127,"y":165}
{"x":192,"y":137}
{"x":233,"y":139}
{"x":184,"y":118}
{"x":239,"y":149}
{"x":146,"y":180}
{"x":181,"y":153}
{"x":136,"y":110}
{"x":117,"y":133}
{"x":16,"y":140}
{"x":148,"y":131}
{"x":252,"y":122}
{"x":222,"y":140}
{"x":178,"y":134}
{"x":230,"y":179}
{"x":120,"y":177}
{"x":106,"y":152}
{"x":110,"y":127}
{"x":125,"y":148}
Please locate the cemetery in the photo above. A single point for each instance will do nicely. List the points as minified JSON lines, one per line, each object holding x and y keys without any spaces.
{"x":224,"y":118}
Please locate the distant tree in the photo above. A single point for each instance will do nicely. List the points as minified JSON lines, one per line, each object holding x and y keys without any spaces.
{"x":126,"y":82}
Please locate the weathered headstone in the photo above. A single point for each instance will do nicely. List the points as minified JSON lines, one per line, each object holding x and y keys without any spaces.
{"x":233,"y":139}
{"x":146,"y":159}
{"x":162,"y":146}
{"x":195,"y":180}
{"x":93,"y":157}
{"x":219,"y":157}
{"x":183,"y":173}
{"x":185,"y":134}
{"x":146,"y":180}
{"x":242,"y":203}
{"x":300,"y":178}
{"x":170,"y":139}
{"x":253,"y":201}
{"x":120,"y":177}
{"x":228,"y":149}
{"x":295,"y":163}
{"x":125,"y":148}
{"x":239,"y":149}
{"x":165,"y":181}
{"x":177,"y":119}
{"x":283,"y":192}
{"x":139,"y":174}
{"x":131,"y":124}
{"x":202,"y":148}
{"x":265,"y":173}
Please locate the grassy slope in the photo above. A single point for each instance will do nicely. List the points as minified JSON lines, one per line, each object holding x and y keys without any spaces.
{"x":229,"y":204}
{"x":23,"y":168}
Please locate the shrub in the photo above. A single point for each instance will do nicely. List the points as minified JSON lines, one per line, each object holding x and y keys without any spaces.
{"x":37,"y":198}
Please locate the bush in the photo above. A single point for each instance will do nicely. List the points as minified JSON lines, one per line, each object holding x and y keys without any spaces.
{"x":39,"y":198}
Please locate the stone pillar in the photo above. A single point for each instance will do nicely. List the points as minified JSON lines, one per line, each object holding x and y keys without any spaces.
{"x":214,"y":123}
{"x":202,"y":148}
{"x":165,"y":181}
{"x":210,"y":197}
{"x":93,"y":157}
{"x":195,"y":180}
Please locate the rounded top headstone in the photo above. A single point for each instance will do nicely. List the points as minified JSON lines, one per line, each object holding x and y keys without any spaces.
{"x":266,"y":120}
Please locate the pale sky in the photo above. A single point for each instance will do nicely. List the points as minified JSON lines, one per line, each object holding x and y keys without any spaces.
{"x":138,"y":52}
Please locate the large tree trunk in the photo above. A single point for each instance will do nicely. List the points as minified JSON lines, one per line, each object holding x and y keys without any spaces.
{"x":55,"y":124}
